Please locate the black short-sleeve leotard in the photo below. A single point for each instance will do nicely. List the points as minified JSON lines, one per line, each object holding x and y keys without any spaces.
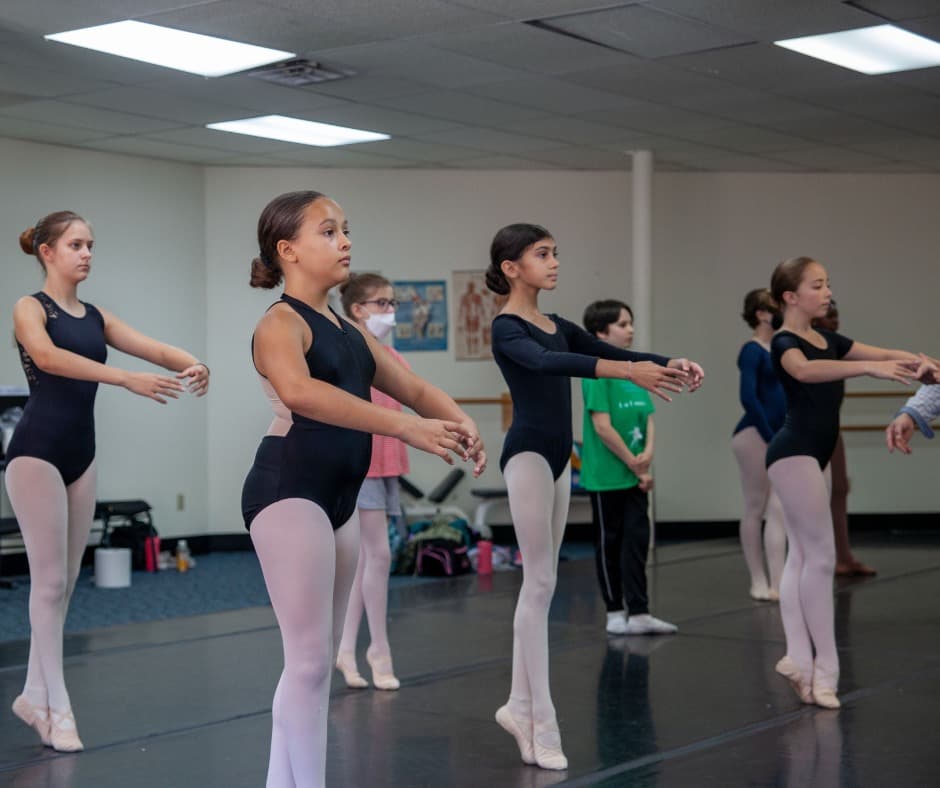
{"x":811,"y":426}
{"x":319,"y":462}
{"x":537,"y":367}
{"x":58,"y":422}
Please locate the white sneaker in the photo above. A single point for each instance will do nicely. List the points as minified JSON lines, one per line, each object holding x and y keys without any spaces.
{"x":648,"y":625}
{"x":616,"y":623}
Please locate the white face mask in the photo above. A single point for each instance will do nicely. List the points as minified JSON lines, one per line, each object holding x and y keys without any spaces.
{"x":381,"y":324}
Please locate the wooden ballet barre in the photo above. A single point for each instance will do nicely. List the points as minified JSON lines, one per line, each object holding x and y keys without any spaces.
{"x":873,"y":427}
{"x":877,"y":394}
{"x":503,"y":400}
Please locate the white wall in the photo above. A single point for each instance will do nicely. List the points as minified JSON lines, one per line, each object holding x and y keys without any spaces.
{"x":408,"y":225}
{"x":175,"y":241}
{"x":148,"y":269}
{"x":718,"y":236}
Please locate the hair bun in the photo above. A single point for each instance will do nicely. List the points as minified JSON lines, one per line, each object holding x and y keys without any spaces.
{"x":26,"y":241}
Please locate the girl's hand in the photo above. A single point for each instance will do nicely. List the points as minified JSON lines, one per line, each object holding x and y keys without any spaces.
{"x":473,"y":446}
{"x":899,"y":433}
{"x":646,"y":482}
{"x":198,"y":382}
{"x":694,"y":371}
{"x":435,"y":436}
{"x":642,"y":463}
{"x":156,"y":387}
{"x":928,"y":369}
{"x":656,"y":379}
{"x":898,"y":371}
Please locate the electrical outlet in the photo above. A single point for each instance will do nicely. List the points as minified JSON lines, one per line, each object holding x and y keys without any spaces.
{"x":180,"y":502}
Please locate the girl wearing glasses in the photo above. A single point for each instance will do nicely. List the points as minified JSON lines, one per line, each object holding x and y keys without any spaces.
{"x":367,"y":300}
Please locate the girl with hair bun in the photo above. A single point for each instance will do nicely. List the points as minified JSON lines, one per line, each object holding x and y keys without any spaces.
{"x":537,"y":354}
{"x":299,"y":498}
{"x":764,"y":406}
{"x":51,"y":470}
{"x":811,"y":364}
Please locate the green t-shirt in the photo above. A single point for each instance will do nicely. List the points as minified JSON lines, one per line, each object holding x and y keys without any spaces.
{"x":629,"y":407}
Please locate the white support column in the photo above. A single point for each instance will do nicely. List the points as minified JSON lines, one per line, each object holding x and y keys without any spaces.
{"x":641,"y":295}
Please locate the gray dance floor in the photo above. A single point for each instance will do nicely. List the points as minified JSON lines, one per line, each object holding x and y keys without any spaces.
{"x":185,"y":703}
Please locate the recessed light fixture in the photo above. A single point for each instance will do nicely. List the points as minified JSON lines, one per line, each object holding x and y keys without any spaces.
{"x":304,"y":132}
{"x":207,"y":56}
{"x":882,"y":49}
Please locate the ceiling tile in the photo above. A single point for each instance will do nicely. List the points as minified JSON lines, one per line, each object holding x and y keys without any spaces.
{"x":826,"y":158}
{"x":743,"y":163}
{"x":530,"y":49}
{"x":54,"y":16}
{"x":647,"y":32}
{"x":899,"y":9}
{"x":414,"y":61}
{"x":346,"y":156}
{"x":417,"y":151}
{"x":461,"y":108}
{"x":533,"y":9}
{"x":748,"y":139}
{"x":43,"y":84}
{"x":771,"y":20}
{"x":652,"y":81}
{"x":159,"y":104}
{"x":380,"y":119}
{"x":222,"y":140}
{"x":501,"y":163}
{"x":490,"y":140}
{"x":157,"y":149}
{"x":368,"y":87}
{"x":581,"y":158}
{"x":574,"y":130}
{"x":86,"y":117}
{"x":551,"y":95}
{"x":655,"y":118}
{"x":910,"y":149}
{"x":41,"y":131}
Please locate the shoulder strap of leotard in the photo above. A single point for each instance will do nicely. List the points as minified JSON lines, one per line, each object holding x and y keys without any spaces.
{"x":48,"y":305}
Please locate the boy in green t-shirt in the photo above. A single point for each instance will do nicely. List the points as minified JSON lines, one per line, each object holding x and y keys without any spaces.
{"x":615,"y":464}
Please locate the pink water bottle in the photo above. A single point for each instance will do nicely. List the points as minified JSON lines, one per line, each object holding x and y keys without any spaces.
{"x":484,"y":557}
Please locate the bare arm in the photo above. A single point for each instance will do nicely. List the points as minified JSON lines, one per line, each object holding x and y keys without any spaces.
{"x":645,"y":457}
{"x":123,"y":337}
{"x":863,"y":352}
{"x":280,"y":341}
{"x":29,"y":325}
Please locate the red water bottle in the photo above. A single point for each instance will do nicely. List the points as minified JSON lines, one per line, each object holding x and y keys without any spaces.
{"x":484,"y":557}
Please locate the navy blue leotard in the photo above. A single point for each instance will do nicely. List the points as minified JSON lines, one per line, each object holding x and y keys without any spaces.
{"x":765,"y":404}
{"x":319,"y":462}
{"x":537,"y":367}
{"x":811,"y":427}
{"x":58,"y":422}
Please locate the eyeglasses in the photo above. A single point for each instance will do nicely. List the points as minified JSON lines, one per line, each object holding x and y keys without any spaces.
{"x":383,"y":303}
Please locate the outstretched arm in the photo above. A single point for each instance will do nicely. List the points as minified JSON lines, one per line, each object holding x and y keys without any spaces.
{"x":279,"y":356}
{"x":825,"y":371}
{"x":29,"y":323}
{"x":123,"y":337}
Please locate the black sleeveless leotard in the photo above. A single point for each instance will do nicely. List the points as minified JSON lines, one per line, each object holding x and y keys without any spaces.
{"x":316,"y":461}
{"x":811,"y":426}
{"x":537,"y":367}
{"x":58,"y":422}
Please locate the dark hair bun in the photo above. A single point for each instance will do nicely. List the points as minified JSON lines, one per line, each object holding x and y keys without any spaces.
{"x":26,"y":241}
{"x":266,"y":277}
{"x":496,"y":281}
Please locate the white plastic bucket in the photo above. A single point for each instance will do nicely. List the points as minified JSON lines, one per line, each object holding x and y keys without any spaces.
{"x":113,"y":567}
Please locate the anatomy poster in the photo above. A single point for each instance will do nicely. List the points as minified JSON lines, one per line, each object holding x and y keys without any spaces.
{"x":421,"y":317}
{"x":475,"y":306}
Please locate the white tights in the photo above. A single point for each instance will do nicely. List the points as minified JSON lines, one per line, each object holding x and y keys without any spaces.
{"x":806,"y":589}
{"x":760,"y":501}
{"x":308,"y":570}
{"x":370,"y":586}
{"x":55,"y":521}
{"x":539,"y":508}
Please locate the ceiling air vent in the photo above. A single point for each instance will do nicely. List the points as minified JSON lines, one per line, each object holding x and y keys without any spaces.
{"x":298,"y":72}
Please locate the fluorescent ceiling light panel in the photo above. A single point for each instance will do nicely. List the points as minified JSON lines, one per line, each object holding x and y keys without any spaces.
{"x":304,"y":132}
{"x":204,"y":55}
{"x":882,"y":49}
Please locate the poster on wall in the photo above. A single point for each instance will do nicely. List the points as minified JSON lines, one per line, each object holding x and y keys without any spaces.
{"x":421,"y":317}
{"x":475,"y":307}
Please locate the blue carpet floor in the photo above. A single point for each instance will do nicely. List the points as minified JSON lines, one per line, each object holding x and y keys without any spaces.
{"x":220,"y":581}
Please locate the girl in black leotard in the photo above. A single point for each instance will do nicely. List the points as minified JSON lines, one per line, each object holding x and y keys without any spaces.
{"x":811,"y":365}
{"x":299,"y":498}
{"x":537,"y":355}
{"x":50,"y":471}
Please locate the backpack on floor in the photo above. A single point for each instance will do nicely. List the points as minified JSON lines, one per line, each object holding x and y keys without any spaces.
{"x":442,"y":558}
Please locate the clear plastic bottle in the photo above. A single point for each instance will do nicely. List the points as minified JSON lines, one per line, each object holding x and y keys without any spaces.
{"x":183,"y":557}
